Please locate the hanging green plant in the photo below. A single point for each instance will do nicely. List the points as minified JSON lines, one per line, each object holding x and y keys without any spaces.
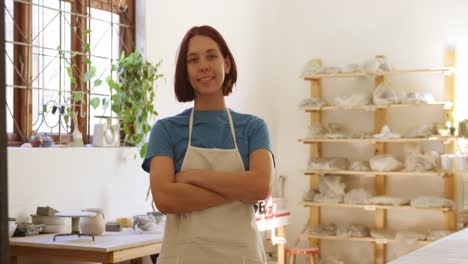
{"x":76,"y":96}
{"x":133,"y":97}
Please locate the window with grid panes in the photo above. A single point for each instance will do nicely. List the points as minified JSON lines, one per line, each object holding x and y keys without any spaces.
{"x":54,"y":50}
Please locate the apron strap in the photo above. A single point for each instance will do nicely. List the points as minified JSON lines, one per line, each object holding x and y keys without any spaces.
{"x":231,"y":125}
{"x":190,"y":128}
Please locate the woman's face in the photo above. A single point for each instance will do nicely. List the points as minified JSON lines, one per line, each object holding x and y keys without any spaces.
{"x":206,"y":66}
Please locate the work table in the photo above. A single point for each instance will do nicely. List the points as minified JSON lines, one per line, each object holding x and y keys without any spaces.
{"x":110,"y":247}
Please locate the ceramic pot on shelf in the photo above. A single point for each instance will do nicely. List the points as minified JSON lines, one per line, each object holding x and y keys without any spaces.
{"x":94,"y":225}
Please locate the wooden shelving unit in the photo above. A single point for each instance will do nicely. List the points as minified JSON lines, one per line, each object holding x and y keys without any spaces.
{"x":375,"y":173}
{"x":364,"y":239}
{"x":373,"y":107}
{"x":446,"y":70}
{"x":371,"y":207}
{"x":380,"y":119}
{"x":376,"y":140}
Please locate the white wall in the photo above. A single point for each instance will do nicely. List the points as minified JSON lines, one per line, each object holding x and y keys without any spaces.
{"x":249,"y":29}
{"x":71,"y":179}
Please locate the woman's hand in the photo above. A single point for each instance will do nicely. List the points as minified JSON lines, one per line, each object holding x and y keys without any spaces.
{"x":189,"y":177}
{"x":172,"y":197}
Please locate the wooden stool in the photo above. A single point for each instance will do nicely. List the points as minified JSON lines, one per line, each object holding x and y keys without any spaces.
{"x":311,"y":252}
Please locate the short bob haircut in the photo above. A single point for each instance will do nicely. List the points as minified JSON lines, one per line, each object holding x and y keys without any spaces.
{"x":183,"y":90}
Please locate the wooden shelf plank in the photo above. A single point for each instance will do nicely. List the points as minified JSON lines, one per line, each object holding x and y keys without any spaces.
{"x":363,"y":239}
{"x":377,"y":140}
{"x":334,"y":75}
{"x":394,"y":72}
{"x":372,"y":107}
{"x":429,"y":70}
{"x":371,"y":207}
{"x":374,"y":173}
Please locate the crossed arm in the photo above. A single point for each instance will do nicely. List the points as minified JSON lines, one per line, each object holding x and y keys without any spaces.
{"x":194,"y":190}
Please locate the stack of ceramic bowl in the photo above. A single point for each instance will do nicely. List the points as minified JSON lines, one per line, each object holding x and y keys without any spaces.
{"x":52,"y":224}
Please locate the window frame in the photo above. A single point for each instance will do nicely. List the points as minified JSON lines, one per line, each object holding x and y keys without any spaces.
{"x":22,"y":98}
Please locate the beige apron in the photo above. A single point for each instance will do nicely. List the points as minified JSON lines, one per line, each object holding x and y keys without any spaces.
{"x":224,"y":234}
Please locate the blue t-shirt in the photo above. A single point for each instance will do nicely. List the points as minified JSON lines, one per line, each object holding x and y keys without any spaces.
{"x":169,"y":136}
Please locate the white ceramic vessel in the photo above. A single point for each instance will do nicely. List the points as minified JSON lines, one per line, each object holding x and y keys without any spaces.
{"x":94,"y":225}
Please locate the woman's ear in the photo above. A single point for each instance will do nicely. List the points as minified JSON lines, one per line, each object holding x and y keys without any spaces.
{"x":227,"y":65}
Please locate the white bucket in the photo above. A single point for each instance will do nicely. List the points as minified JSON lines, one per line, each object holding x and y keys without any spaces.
{"x":447,"y":162}
{"x":462,"y":162}
{"x":11,"y":228}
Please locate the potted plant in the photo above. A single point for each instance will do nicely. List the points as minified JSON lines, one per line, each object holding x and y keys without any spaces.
{"x":133,"y":97}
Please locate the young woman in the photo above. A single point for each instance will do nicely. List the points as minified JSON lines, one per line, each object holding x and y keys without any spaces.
{"x":208,"y":165}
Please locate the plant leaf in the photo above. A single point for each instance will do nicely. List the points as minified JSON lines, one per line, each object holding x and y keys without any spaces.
{"x":143,"y":150}
{"x":116,"y":98}
{"x":90,"y":74}
{"x":134,"y":96}
{"x":77,"y":96}
{"x":116,"y":109}
{"x":87,"y":47}
{"x":94,"y":102}
{"x":69,"y":72}
{"x":112,"y":84}
{"x":97,"y":83}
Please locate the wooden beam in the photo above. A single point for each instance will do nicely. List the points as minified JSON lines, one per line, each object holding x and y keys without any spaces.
{"x":62,"y":254}
{"x":22,"y":76}
{"x":380,"y":119}
{"x":314,"y":219}
{"x":113,"y":6}
{"x":450,"y":220}
{"x":134,"y":253}
{"x":380,"y":184}
{"x":449,"y":81}
{"x":450,"y":61}
{"x":380,"y":78}
{"x":4,"y":236}
{"x":380,"y":215}
{"x":106,"y":5}
{"x":450,"y":181}
{"x":79,"y":67}
{"x":127,"y":34}
{"x":379,"y":253}
{"x":281,"y":250}
{"x":315,"y":152}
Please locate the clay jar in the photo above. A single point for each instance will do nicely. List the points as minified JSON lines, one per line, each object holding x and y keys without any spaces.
{"x":94,"y":225}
